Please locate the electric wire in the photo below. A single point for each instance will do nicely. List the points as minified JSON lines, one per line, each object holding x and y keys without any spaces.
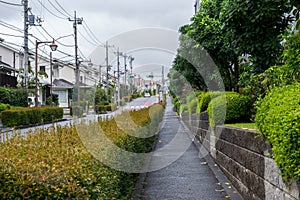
{"x":65,"y":45}
{"x":10,"y":35}
{"x":62,"y":8}
{"x":10,"y":26}
{"x":86,"y":39}
{"x":86,"y":26}
{"x":51,"y":11}
{"x":57,"y":9}
{"x":11,"y":4}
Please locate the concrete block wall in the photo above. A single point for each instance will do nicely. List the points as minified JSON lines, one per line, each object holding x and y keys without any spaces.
{"x":244,"y":158}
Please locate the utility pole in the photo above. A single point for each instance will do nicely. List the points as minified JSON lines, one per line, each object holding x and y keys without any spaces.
{"x":76,"y":21}
{"x":131,"y":59}
{"x":100,"y":76}
{"x":118,"y":65}
{"x":106,"y":60}
{"x":26,"y":25}
{"x":125,"y":65}
{"x":107,"y":68}
{"x":163,"y":80}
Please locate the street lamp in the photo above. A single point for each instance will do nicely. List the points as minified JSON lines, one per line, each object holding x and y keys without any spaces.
{"x":53,"y":47}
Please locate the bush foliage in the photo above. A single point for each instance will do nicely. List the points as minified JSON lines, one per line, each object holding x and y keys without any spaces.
{"x":206,"y":98}
{"x":278,"y":119}
{"x":27,"y":116}
{"x":54,"y":163}
{"x":233,"y":109}
{"x":14,"y":97}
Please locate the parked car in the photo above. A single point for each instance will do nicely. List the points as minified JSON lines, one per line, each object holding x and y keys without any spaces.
{"x":147,"y":94}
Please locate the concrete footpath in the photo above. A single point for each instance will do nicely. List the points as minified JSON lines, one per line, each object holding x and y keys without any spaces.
{"x":190,"y":177}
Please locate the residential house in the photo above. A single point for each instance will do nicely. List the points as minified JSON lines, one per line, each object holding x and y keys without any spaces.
{"x":11,"y":60}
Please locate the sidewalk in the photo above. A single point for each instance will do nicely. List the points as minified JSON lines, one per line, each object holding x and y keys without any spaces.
{"x":189,"y":177}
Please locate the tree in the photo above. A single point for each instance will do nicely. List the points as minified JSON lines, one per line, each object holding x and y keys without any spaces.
{"x":206,"y":30}
{"x":254,"y":27}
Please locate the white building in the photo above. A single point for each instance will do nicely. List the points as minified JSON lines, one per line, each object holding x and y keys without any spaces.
{"x":63,"y":74}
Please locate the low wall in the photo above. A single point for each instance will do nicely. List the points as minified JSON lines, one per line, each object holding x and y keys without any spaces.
{"x":244,"y":159}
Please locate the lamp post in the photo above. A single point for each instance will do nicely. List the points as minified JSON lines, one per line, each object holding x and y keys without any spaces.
{"x":53,"y":47}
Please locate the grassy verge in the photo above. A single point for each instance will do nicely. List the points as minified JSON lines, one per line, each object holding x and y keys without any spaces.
{"x":249,"y":126}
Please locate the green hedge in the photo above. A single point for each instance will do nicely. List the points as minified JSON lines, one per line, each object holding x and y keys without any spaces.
{"x":278,"y":119}
{"x":127,"y":99}
{"x":55,"y":164}
{"x":206,"y":98}
{"x":27,"y":116}
{"x":183,"y":108}
{"x":4,"y":107}
{"x":76,"y":111}
{"x":236,"y":106}
{"x":192,"y":106}
{"x":102,"y":109}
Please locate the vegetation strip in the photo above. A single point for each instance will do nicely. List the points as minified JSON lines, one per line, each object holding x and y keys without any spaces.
{"x":54,"y":164}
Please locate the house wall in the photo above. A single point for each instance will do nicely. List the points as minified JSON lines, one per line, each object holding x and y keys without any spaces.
{"x":11,"y":56}
{"x":244,"y":159}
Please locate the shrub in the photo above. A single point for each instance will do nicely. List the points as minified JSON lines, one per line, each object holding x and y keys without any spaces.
{"x":122,"y":102}
{"x":14,"y":97}
{"x":100,"y":109}
{"x":76,"y":111}
{"x":183,"y":108}
{"x":232,"y":108}
{"x":177,"y":104}
{"x":278,"y":119}
{"x":111,"y":107}
{"x":28,"y":116}
{"x":192,"y":106}
{"x":4,"y":107}
{"x":206,"y":98}
{"x":127,"y":98}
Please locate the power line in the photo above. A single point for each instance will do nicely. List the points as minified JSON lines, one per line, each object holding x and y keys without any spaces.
{"x":57,"y":9}
{"x":10,"y":26}
{"x":11,"y":4}
{"x":51,"y":11}
{"x":91,"y":33}
{"x":65,"y":45}
{"x":63,"y":8}
{"x":85,"y":58}
{"x":87,"y":39}
{"x":6,"y":34}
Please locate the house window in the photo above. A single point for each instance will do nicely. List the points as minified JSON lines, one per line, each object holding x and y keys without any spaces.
{"x":43,"y":68}
{"x":55,"y":71}
{"x":62,"y":95}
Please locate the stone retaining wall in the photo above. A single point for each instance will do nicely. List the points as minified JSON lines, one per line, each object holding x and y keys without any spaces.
{"x":244,"y":159}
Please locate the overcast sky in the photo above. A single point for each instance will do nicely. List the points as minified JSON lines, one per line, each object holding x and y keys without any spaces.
{"x":106,"y":19}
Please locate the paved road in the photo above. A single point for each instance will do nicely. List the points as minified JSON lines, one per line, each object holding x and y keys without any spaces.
{"x":189,"y":177}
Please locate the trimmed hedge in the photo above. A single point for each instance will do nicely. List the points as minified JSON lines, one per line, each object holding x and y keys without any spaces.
{"x":55,"y":164}
{"x":278,"y":119}
{"x":236,"y":106}
{"x":76,"y":111}
{"x":27,"y":116}
{"x":102,"y":109}
{"x":4,"y":107}
{"x":206,"y":98}
{"x":127,"y":98}
{"x":183,"y":108}
{"x":192,"y":106}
